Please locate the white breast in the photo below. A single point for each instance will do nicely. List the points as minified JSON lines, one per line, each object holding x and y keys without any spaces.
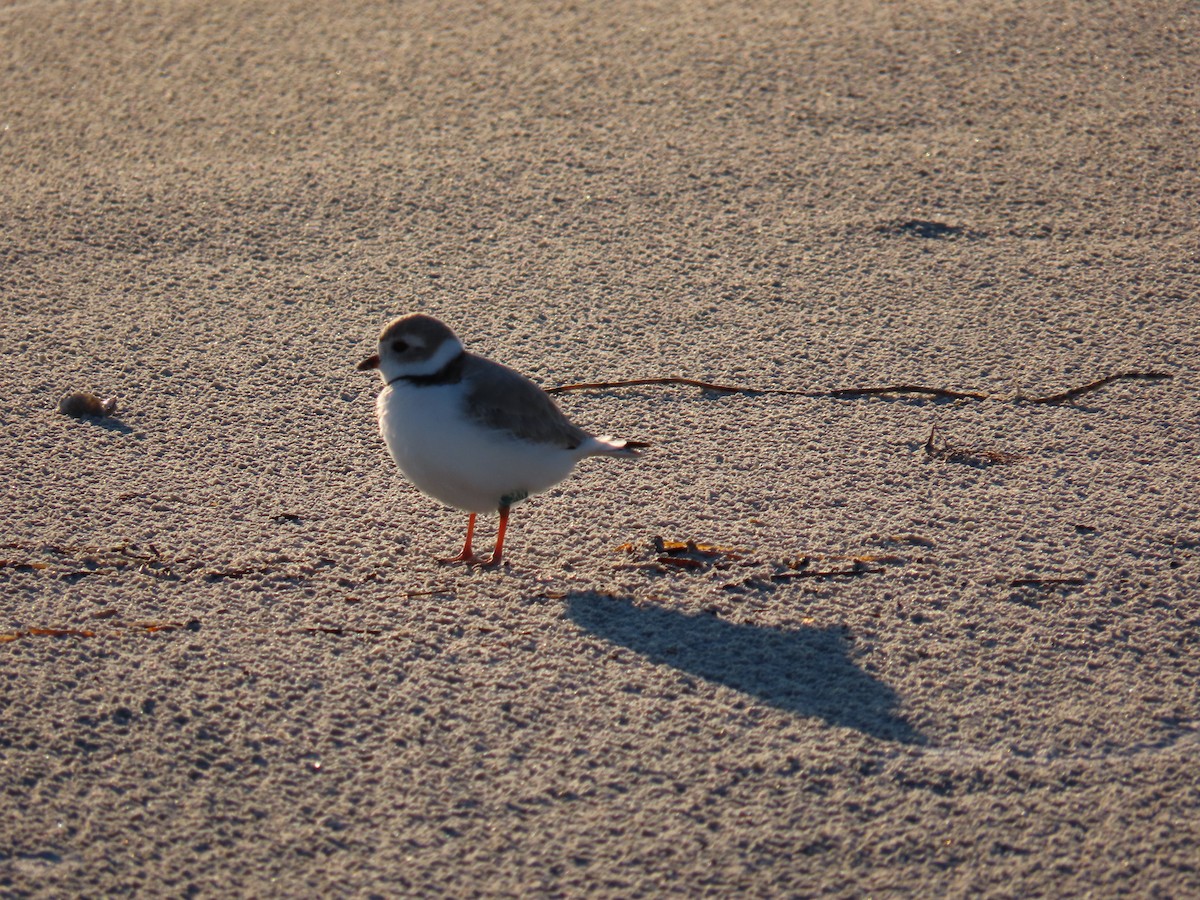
{"x":457,"y":461}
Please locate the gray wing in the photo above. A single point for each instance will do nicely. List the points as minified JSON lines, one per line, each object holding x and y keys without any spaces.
{"x":503,"y":399}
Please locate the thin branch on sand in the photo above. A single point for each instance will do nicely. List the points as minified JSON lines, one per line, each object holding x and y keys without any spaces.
{"x":690,"y":382}
{"x":1093,"y":386}
{"x":901,"y":389}
{"x":943,"y":393}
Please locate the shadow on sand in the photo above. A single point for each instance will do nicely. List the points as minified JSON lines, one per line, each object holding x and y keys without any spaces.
{"x":807,"y":671}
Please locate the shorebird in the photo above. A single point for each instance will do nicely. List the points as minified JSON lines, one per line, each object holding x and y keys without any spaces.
{"x":470,"y":432}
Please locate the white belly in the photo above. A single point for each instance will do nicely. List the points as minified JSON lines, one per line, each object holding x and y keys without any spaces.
{"x":458,"y":462}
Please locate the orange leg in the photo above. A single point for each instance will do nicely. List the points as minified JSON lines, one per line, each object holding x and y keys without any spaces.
{"x":466,"y":555}
{"x":494,"y":560}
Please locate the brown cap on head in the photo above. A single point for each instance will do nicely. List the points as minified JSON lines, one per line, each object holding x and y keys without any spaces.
{"x":408,"y":340}
{"x":423,"y":329}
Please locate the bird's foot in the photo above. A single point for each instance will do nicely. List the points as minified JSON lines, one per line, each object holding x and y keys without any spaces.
{"x":485,"y":562}
{"x":461,"y":558}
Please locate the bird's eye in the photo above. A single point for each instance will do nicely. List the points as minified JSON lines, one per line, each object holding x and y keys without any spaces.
{"x":399,"y":346}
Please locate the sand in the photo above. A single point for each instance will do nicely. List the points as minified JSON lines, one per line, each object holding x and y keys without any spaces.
{"x":230,"y":663}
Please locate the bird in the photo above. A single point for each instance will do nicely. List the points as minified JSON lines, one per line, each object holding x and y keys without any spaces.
{"x":470,"y":432}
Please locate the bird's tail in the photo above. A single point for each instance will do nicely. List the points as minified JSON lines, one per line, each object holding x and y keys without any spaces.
{"x":610,"y":446}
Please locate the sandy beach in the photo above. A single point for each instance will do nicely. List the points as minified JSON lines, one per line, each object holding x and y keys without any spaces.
{"x":822,"y":639}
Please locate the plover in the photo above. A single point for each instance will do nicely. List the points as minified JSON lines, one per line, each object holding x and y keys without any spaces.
{"x":470,"y":432}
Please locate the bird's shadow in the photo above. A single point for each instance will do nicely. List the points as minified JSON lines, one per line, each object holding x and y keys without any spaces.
{"x":108,"y":423}
{"x":808,"y":671}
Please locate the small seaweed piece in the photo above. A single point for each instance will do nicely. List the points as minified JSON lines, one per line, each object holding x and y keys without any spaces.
{"x":84,"y":403}
{"x":969,"y":455}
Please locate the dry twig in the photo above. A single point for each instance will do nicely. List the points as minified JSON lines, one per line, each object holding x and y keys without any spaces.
{"x":943,"y":393}
{"x":1093,"y":386}
{"x":1047,"y":582}
{"x":900,"y":389}
{"x":857,"y":567}
{"x":690,"y":382}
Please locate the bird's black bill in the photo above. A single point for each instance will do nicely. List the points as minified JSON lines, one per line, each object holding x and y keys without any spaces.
{"x":371,"y":362}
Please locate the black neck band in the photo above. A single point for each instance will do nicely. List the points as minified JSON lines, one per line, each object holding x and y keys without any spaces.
{"x":450,"y":373}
